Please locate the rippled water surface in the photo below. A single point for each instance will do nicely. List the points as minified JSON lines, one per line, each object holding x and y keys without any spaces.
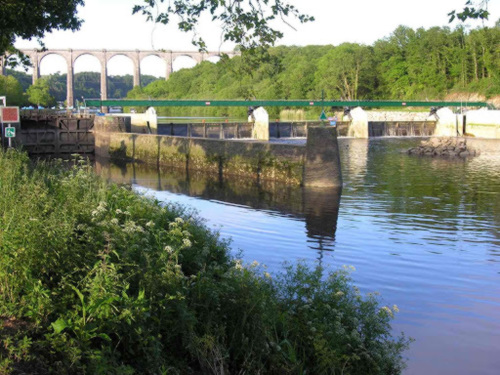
{"x":425,"y":233}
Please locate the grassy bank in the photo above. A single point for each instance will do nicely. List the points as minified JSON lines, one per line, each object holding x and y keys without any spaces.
{"x":97,"y":279}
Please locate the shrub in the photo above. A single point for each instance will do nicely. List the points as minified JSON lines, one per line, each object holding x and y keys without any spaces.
{"x":95,"y":278}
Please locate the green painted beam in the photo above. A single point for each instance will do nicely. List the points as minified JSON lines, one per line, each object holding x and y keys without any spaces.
{"x":275,"y":103}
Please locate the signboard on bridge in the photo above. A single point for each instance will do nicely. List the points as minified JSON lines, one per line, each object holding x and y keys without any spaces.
{"x":9,"y":114}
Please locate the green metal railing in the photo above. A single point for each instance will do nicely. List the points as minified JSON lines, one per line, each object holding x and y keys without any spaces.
{"x":276,"y":103}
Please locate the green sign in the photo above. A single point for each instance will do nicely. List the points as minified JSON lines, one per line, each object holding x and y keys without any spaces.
{"x":10,"y":132}
{"x":323,"y":116}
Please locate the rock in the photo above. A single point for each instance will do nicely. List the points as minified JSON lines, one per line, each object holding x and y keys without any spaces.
{"x":464,"y":154}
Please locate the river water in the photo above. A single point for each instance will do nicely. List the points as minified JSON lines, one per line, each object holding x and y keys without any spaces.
{"x":424,"y":232}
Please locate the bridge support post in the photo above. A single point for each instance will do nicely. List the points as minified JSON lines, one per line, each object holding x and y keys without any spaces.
{"x":359,"y":124}
{"x":104,"y":81}
{"x":70,"y":102}
{"x":36,"y":67}
{"x":169,"y":69}
{"x":137,"y":69}
{"x":260,"y":129}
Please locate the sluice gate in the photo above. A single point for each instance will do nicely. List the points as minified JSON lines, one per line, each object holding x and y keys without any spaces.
{"x":57,"y":135}
{"x":226,"y":130}
{"x":401,"y":128}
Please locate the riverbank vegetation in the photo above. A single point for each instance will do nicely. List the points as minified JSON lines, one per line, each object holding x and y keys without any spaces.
{"x":95,"y":278}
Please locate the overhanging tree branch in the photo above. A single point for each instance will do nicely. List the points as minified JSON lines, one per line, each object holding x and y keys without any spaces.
{"x":248,"y":23}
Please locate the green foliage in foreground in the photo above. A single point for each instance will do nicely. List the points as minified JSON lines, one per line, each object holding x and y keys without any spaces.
{"x":97,"y":279}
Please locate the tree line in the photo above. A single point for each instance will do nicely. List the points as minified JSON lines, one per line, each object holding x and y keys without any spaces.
{"x":408,"y":64}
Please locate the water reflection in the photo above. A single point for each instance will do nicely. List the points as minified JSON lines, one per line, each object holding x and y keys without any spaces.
{"x":317,"y":207}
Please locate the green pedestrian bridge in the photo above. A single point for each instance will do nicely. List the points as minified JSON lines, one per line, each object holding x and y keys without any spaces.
{"x":277,"y":103}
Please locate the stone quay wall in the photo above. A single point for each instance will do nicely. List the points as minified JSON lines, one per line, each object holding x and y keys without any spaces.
{"x":260,"y":160}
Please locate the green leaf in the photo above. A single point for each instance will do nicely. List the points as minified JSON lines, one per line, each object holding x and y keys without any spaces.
{"x":59,"y":325}
{"x":104,"y":337}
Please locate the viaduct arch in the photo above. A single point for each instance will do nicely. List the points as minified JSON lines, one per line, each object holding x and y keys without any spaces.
{"x":136,"y":56}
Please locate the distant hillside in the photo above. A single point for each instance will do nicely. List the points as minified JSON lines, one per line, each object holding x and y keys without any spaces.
{"x":86,"y":84}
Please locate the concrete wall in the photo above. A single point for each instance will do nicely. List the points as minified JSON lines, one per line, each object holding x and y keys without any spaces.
{"x":254,"y":159}
{"x":139,"y":121}
{"x":260,"y":160}
{"x":398,"y":116}
{"x":322,"y":164}
{"x":112,"y":124}
{"x":448,"y":123}
{"x":483,"y":124}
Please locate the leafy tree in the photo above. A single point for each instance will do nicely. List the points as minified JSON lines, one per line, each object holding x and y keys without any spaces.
{"x":29,"y":19}
{"x":472,"y":10}
{"x":12,"y":89}
{"x":39,"y":93}
{"x":24,"y":79}
{"x":346,"y":72}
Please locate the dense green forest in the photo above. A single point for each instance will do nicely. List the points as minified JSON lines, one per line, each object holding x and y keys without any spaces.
{"x":436,"y":63}
{"x":408,"y":64}
{"x":86,"y":84}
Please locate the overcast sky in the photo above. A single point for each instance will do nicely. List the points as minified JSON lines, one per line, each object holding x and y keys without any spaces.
{"x":110,"y":24}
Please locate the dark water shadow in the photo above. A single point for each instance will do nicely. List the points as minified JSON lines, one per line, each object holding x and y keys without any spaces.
{"x":318,"y":207}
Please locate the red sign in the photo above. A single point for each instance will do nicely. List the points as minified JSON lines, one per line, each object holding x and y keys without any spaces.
{"x":207,"y":103}
{"x":311,"y":103}
{"x":9,"y":114}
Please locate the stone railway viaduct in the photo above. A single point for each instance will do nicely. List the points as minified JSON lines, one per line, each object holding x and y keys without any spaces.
{"x":136,"y":56}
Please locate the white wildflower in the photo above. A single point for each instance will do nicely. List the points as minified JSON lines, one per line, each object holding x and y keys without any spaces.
{"x":150,"y":223}
{"x":255,"y":263}
{"x":387,"y":310}
{"x":114,"y":221}
{"x":118,"y":211}
{"x":339,"y":294}
{"x":179,"y":220}
{"x":238,"y":265}
{"x":267,"y":275}
{"x":169,"y":249}
{"x":395,"y":308}
{"x":131,"y":227}
{"x":186,"y":243}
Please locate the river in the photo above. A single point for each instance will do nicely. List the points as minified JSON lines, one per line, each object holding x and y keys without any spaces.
{"x":424,"y":232}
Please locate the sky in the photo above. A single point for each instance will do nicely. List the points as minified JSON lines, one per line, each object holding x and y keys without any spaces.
{"x":109,"y":24}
